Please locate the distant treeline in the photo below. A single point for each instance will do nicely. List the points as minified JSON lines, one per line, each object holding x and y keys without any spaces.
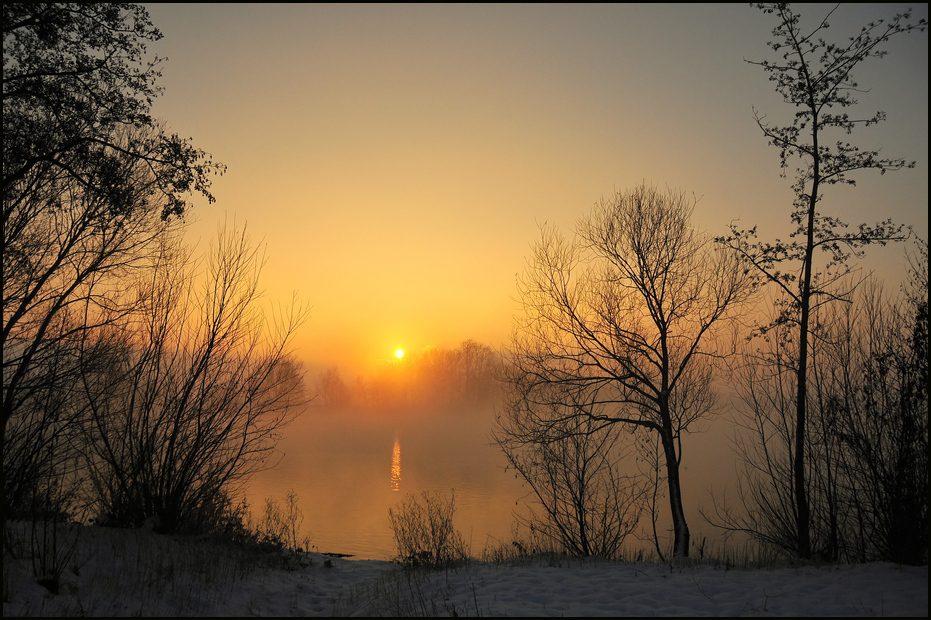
{"x":434,"y":378}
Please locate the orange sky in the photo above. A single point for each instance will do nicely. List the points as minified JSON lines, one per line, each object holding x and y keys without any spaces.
{"x":397,"y":159}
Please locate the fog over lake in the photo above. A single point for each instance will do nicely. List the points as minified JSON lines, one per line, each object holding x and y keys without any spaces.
{"x":343,"y":466}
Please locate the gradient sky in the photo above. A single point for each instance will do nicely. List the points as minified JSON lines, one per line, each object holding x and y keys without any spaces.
{"x":397,"y":159}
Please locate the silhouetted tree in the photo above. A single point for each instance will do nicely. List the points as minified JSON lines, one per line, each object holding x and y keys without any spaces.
{"x":575,"y":469}
{"x":815,"y":77}
{"x":77,"y":90}
{"x":867,"y":439}
{"x":90,"y":184}
{"x":876,"y":401}
{"x":618,"y":328}
{"x":201,"y":385}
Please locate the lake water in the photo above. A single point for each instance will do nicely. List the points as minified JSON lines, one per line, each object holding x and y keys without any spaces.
{"x":348,"y":468}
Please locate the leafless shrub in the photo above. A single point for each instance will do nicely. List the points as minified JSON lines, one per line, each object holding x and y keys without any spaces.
{"x":424,"y":532}
{"x":575,"y":471}
{"x":199,"y":387}
{"x":280,"y":526}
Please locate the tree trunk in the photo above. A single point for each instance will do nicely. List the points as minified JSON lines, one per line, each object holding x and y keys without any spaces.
{"x":679,"y":525}
{"x":803,"y":511}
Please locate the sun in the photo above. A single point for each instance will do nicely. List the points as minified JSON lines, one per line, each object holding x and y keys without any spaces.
{"x":399,"y":353}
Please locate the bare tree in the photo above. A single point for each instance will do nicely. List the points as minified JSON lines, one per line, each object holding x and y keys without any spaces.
{"x":90,"y":183}
{"x":39,"y":456}
{"x":874,"y":390}
{"x":618,"y":326}
{"x":68,"y":266}
{"x":867,"y":439}
{"x":202,"y":385}
{"x":575,"y":470}
{"x":815,"y":77}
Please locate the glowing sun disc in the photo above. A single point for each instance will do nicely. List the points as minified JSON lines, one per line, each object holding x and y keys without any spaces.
{"x":399,"y":353}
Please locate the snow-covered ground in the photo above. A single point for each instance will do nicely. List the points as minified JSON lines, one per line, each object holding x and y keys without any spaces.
{"x":120,"y":573}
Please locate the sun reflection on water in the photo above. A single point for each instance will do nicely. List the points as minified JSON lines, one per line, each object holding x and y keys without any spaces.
{"x":396,"y":466}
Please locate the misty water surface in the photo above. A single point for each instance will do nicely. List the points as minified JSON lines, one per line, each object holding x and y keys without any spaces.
{"x":348,"y":468}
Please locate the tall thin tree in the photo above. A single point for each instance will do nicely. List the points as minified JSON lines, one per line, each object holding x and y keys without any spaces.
{"x":816,"y":78}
